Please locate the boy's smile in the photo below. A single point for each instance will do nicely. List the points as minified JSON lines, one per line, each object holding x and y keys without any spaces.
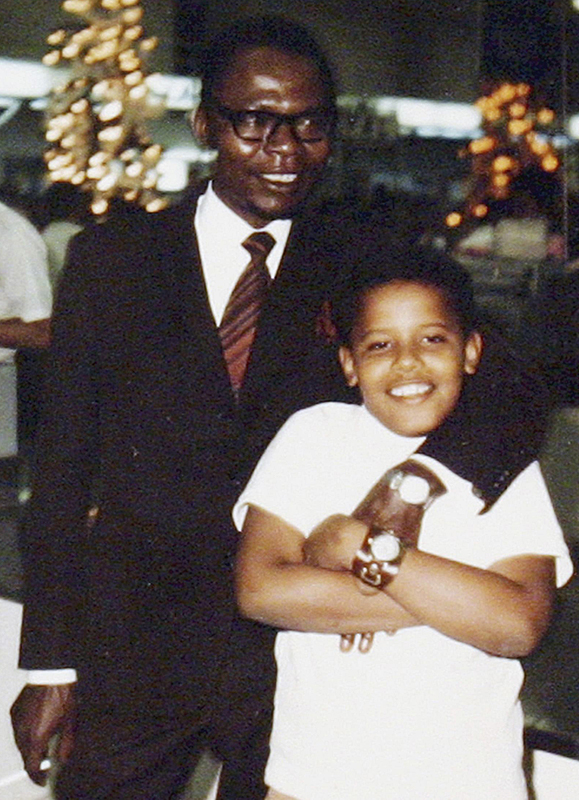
{"x":409,"y":356}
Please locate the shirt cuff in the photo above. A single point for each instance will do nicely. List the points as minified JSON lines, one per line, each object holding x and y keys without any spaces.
{"x":51,"y":677}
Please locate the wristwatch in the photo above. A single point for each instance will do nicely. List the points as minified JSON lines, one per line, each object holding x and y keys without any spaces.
{"x":379,"y":558}
{"x":393,"y":510}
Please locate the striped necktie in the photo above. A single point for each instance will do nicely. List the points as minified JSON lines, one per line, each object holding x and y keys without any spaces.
{"x":237,"y":329}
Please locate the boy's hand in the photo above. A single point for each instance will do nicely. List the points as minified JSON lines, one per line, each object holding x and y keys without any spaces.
{"x":334,"y":543}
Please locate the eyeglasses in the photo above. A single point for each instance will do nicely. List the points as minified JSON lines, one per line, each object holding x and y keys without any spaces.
{"x":260,"y":126}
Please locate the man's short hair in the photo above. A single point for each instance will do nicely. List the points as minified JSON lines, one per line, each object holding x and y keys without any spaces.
{"x":263,"y":31}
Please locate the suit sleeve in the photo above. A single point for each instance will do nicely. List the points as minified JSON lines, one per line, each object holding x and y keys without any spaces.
{"x":55,"y":531}
{"x":498,"y":427}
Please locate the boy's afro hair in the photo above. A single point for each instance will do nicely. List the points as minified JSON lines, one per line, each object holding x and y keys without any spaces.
{"x":377,"y":259}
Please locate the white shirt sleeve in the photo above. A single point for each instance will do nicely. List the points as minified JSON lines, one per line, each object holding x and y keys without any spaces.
{"x":281,"y":476}
{"x":25,"y":291}
{"x":526,"y":515}
{"x":521,"y":522}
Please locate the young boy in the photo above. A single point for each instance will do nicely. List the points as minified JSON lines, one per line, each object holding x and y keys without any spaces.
{"x":431,"y":708}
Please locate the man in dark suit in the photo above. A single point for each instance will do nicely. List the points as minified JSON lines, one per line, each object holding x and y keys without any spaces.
{"x":143,"y":422}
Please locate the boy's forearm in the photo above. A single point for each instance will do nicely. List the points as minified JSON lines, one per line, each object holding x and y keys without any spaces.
{"x":305,"y":598}
{"x":334,"y":542}
{"x":503,"y":610}
{"x":483,"y":608}
{"x":276,"y":587}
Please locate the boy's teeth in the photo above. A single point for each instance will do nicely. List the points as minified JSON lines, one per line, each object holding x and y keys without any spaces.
{"x":281,"y":178}
{"x":410,"y":389}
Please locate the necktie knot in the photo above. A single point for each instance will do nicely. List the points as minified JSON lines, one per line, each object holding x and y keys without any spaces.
{"x":259,"y":245}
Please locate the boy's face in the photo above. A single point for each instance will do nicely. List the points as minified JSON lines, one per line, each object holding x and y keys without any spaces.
{"x":409,"y":357}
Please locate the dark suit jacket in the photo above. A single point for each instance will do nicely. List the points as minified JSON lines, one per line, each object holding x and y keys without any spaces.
{"x":140,"y":419}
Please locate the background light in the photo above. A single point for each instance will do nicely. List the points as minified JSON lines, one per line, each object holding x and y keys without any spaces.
{"x":27,"y":79}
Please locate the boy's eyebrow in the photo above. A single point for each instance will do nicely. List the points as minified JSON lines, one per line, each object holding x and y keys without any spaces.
{"x":447,"y":325}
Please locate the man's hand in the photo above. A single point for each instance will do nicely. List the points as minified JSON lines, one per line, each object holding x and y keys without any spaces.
{"x":401,"y":509}
{"x":334,"y":542}
{"x":38,"y":714}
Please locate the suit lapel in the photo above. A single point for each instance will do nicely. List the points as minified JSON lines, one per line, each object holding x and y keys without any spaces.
{"x":196,"y":333}
{"x":294,"y":300}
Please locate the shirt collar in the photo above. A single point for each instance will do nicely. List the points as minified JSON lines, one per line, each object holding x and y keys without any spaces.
{"x":220,"y":233}
{"x":214,"y":218}
{"x":387,"y":437}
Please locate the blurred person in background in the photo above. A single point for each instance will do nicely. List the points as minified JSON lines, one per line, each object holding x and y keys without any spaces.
{"x":25,"y":309}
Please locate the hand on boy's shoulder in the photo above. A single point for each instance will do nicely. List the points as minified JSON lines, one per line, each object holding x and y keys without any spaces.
{"x":334,"y":542}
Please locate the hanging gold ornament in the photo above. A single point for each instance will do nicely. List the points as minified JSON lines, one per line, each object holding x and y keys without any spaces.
{"x":512,"y":140}
{"x":96,"y":123}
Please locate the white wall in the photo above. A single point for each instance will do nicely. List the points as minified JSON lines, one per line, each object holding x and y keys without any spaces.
{"x":14,"y":783}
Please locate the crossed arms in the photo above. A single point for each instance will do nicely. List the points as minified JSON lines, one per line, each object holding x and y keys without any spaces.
{"x":286,"y":580}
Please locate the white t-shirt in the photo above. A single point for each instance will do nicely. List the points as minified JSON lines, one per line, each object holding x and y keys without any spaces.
{"x":421,"y":716}
{"x":24,"y":286}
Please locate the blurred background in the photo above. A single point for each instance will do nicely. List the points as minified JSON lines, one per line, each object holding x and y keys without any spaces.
{"x":413,"y":143}
{"x":459,"y":121}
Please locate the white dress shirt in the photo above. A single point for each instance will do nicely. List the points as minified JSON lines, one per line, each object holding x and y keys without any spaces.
{"x":220,"y":234}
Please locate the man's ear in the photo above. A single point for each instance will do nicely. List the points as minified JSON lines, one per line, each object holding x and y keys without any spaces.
{"x":202,"y":126}
{"x":348,"y":368}
{"x":472,"y":352}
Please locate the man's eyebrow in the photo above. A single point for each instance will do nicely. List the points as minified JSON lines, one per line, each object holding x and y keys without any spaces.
{"x":311,"y":110}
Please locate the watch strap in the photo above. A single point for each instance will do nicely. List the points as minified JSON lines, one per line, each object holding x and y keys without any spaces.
{"x":386,"y":507}
{"x":371,"y":570}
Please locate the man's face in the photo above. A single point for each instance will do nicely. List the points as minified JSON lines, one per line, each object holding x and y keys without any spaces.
{"x":267,"y":179}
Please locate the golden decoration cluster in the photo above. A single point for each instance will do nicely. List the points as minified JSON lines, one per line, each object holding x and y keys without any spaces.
{"x":96,"y":125}
{"x":516,"y":135}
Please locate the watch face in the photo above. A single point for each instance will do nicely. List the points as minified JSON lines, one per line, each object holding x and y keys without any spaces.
{"x":385,"y":546}
{"x":414,"y":489}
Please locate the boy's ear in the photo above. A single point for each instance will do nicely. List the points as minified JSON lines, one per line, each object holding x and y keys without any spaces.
{"x":472,"y":353}
{"x":347,"y":362}
{"x":202,"y":126}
